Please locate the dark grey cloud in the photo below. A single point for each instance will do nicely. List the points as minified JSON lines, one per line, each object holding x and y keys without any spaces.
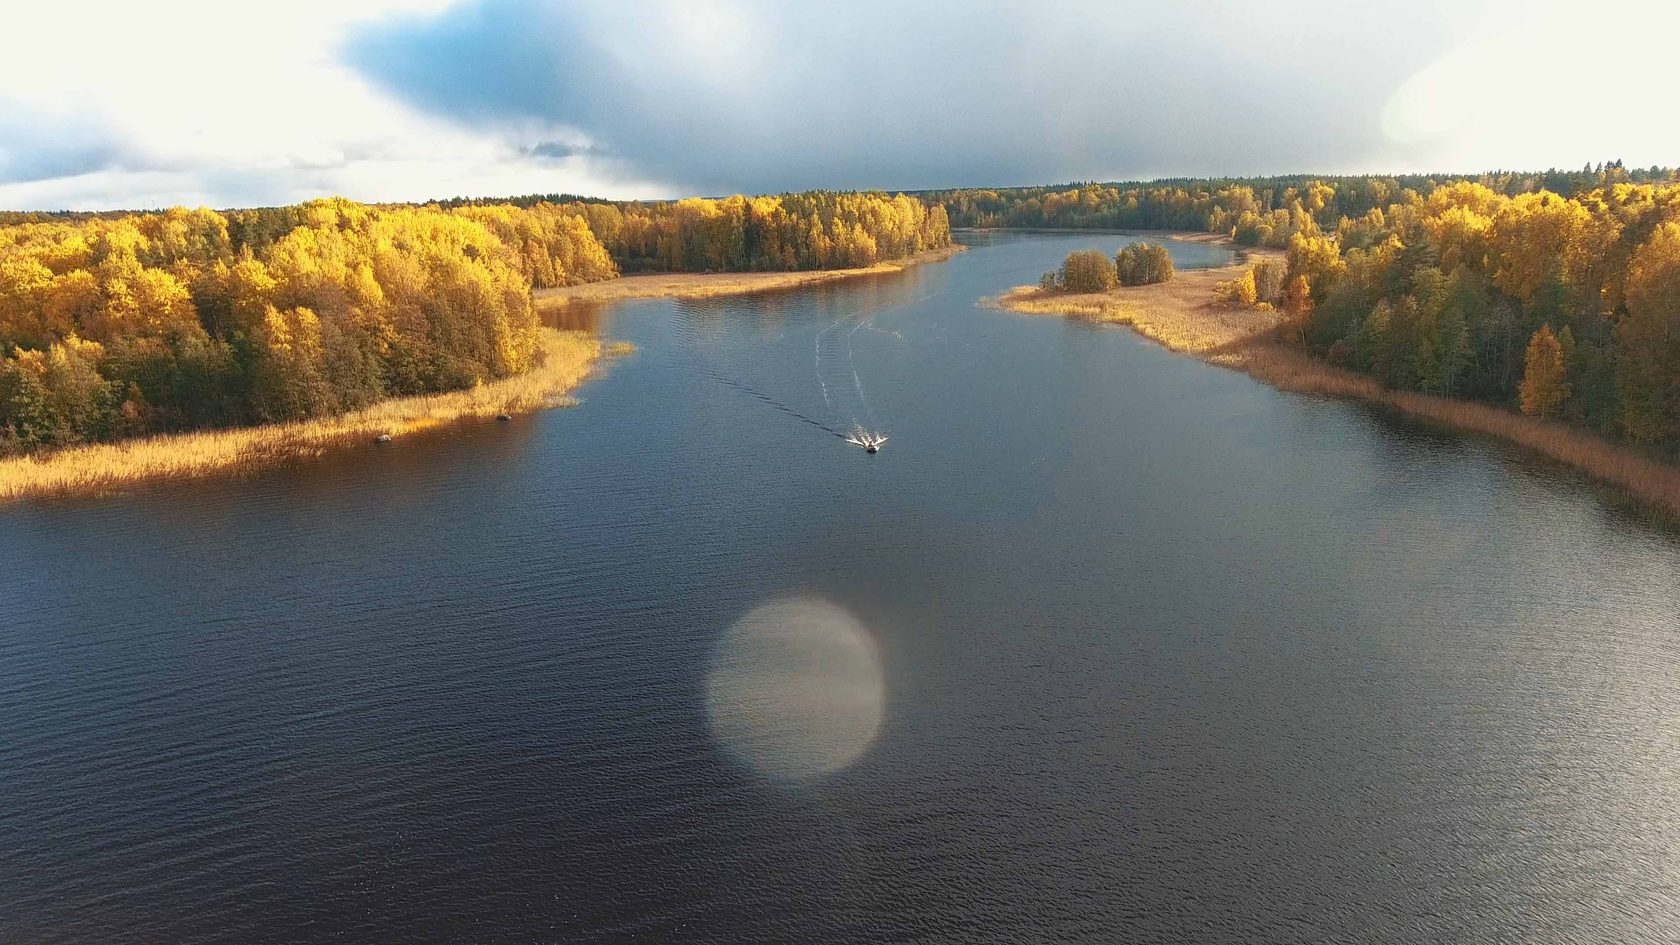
{"x":755,"y":96}
{"x":559,"y":150}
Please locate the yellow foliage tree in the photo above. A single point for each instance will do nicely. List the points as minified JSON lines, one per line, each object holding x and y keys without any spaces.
{"x":1648,"y":339}
{"x":1538,"y":239}
{"x":1545,"y":382}
{"x":1086,"y":271}
{"x":1297,"y":306}
{"x":1316,"y":258}
{"x":1238,"y":291}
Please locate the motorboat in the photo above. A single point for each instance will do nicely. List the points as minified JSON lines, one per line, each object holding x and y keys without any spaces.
{"x":870,"y":442}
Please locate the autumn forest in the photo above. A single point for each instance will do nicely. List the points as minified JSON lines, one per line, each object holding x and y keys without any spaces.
{"x":119,"y":325}
{"x":1557,"y":294}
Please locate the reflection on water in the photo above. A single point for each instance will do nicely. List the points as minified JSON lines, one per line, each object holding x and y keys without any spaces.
{"x":796,"y":688}
{"x":592,"y":317}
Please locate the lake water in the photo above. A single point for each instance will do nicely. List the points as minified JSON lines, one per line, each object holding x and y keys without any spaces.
{"x":1105,"y":644}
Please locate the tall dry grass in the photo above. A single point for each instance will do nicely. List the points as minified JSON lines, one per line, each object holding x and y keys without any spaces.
{"x":565,"y":359}
{"x":1181,"y":315}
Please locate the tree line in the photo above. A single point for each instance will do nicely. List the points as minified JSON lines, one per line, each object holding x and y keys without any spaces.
{"x":1564,"y":307}
{"x":123,"y":324}
{"x":816,"y":230}
{"x":1257,"y":211}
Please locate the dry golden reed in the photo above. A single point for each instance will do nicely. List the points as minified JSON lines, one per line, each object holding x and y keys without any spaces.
{"x":1182,"y":316}
{"x":1179,"y":313}
{"x":565,"y":359}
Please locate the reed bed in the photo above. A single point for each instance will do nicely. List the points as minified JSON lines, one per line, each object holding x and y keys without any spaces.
{"x":1179,"y":313}
{"x":1181,"y":316}
{"x":565,"y":360}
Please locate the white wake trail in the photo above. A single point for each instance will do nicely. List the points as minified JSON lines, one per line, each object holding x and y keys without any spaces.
{"x":857,"y":384}
{"x":821,"y":381}
{"x":861,"y":436}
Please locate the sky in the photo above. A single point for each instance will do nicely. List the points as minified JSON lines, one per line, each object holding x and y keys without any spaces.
{"x":127,"y":104}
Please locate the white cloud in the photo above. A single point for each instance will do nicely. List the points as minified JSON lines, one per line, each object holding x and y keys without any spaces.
{"x":1539,"y":84}
{"x":221,"y":103}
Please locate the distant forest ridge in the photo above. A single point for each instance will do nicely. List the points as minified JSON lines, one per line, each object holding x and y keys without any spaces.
{"x":1563,"y":182}
{"x":1191,"y":203}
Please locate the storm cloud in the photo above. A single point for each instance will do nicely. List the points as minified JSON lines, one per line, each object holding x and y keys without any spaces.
{"x":726,"y":96}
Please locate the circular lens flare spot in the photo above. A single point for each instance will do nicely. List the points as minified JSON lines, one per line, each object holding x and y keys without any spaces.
{"x":796,"y":689}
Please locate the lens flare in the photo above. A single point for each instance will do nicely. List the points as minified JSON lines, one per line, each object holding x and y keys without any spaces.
{"x":796,"y":689}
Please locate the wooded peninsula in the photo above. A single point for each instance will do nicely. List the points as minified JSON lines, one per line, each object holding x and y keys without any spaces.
{"x":1463,"y":300}
{"x":118,"y":326}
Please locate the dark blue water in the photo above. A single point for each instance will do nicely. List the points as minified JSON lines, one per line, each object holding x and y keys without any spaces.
{"x":1105,"y":645}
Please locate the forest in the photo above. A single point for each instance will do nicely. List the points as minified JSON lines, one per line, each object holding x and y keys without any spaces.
{"x":116,"y":325}
{"x":1561,"y":306}
{"x":1557,"y":293}
{"x":817,"y":230}
{"x":1257,"y":211}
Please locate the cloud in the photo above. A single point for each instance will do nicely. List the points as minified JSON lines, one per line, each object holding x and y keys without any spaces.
{"x":202,"y":101}
{"x":724,"y":95}
{"x":194,"y":101}
{"x":1529,"y":85}
{"x":40,"y":145}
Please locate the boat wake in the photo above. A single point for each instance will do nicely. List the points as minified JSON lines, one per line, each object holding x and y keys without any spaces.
{"x":869,"y":442}
{"x":752,"y":391}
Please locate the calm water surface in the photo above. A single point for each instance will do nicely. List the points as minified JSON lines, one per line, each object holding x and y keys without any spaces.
{"x":1106,"y":644}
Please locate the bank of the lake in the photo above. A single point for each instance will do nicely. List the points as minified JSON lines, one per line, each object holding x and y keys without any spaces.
{"x":565,"y":360}
{"x":1183,"y":316}
{"x":1179,"y":313}
{"x":694,"y":285}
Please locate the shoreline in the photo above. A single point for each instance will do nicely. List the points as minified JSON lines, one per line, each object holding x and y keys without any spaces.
{"x":1178,"y":314}
{"x":1181,"y":316}
{"x":696,"y":285}
{"x":1183,"y":236}
{"x":567,"y":360}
